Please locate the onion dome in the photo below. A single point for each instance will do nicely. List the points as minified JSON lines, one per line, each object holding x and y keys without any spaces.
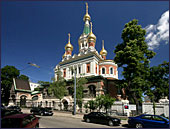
{"x":91,"y":36}
{"x":64,"y":55}
{"x":68,"y":45}
{"x":103,"y":52}
{"x":86,"y":16}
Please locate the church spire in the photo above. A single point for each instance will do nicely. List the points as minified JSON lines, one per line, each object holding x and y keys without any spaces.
{"x":86,"y":20}
{"x":103,"y":52}
{"x":86,"y":16}
{"x":68,"y":47}
{"x":91,"y":36}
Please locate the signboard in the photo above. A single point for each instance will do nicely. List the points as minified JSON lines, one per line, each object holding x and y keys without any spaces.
{"x":132,"y":107}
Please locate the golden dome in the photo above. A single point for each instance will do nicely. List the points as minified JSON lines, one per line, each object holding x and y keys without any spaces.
{"x":87,"y":16}
{"x":64,"y":55}
{"x":68,"y":45}
{"x":103,"y":52}
{"x":91,"y":36}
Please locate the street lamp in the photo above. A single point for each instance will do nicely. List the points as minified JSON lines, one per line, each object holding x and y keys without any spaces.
{"x":74,"y":113}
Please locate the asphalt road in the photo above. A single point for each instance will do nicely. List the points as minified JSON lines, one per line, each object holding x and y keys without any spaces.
{"x":67,"y":122}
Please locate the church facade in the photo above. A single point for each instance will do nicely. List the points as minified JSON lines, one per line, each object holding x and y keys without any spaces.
{"x":88,"y":62}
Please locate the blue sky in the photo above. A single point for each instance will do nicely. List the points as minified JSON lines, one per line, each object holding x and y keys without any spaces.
{"x":37,"y":32}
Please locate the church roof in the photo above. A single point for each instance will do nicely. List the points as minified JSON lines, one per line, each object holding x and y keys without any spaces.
{"x":77,"y":58}
{"x":21,"y":85}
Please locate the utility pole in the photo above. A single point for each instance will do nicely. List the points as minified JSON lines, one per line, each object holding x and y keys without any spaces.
{"x":74,"y":92}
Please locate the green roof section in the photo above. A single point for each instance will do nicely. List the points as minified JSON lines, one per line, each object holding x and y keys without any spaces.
{"x":86,"y":29}
{"x":34,"y":92}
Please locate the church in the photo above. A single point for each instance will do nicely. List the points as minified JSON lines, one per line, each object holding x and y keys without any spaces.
{"x":89,"y":63}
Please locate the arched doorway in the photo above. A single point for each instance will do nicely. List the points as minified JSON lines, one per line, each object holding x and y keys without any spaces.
{"x":65,"y":103}
{"x":70,"y":91}
{"x":92,"y":91}
{"x":23,"y":101}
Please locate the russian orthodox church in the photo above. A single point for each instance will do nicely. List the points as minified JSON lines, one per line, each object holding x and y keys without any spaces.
{"x":88,"y":62}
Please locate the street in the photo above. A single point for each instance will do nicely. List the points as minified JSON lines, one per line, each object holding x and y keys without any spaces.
{"x":68,"y":122}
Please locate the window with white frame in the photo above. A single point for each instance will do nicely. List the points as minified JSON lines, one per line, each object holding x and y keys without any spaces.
{"x":79,"y":70}
{"x":103,"y":70}
{"x":111,"y":70}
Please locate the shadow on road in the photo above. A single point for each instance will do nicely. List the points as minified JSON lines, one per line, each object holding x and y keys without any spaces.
{"x":125,"y":125}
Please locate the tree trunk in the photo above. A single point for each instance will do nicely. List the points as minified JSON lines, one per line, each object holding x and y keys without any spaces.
{"x":136,"y":102}
{"x":154,"y":107}
{"x":60,"y":104}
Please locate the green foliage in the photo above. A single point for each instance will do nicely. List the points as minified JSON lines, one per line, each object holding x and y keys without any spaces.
{"x":58,"y":88}
{"x":79,"y":89}
{"x":101,"y":101}
{"x":44,"y":83}
{"x":159,"y":82}
{"x":7,"y":75}
{"x":134,"y":57}
{"x":92,"y":105}
{"x":23,"y":77}
{"x":108,"y":101}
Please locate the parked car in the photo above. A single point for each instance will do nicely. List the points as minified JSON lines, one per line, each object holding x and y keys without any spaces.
{"x":20,"y":121}
{"x":41,"y":111}
{"x":148,"y":121}
{"x":6,"y":112}
{"x":14,"y":108}
{"x":102,"y":118}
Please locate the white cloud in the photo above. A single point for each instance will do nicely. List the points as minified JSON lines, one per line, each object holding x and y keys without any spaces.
{"x":159,"y":33}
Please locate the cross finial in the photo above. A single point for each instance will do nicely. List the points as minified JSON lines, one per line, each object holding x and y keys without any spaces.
{"x":68,"y":37}
{"x":86,"y":8}
{"x":103,"y":43}
{"x":91,"y":26}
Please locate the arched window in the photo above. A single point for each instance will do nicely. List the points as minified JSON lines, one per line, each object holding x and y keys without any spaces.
{"x":34,"y":98}
{"x":79,"y":69}
{"x":103,"y":70}
{"x":111,"y":70}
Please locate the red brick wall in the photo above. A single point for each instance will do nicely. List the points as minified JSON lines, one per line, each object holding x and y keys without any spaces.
{"x":69,"y":52}
{"x":64,"y":72}
{"x":96,"y":68}
{"x":88,"y":70}
{"x":91,"y":44}
{"x":112,"y":89}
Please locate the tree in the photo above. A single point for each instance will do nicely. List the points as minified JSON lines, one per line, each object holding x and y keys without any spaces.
{"x":43,"y":83}
{"x":58,"y":88}
{"x":7,"y":75}
{"x":134,"y":57}
{"x":86,"y":107}
{"x":79,"y":91}
{"x":80,"y":82}
{"x":100,"y":101}
{"x":92,"y":105}
{"x":23,"y":77}
{"x":159,"y":82}
{"x":108,"y":101}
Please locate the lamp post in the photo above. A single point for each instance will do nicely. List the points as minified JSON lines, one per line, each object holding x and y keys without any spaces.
{"x":74,"y":113}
